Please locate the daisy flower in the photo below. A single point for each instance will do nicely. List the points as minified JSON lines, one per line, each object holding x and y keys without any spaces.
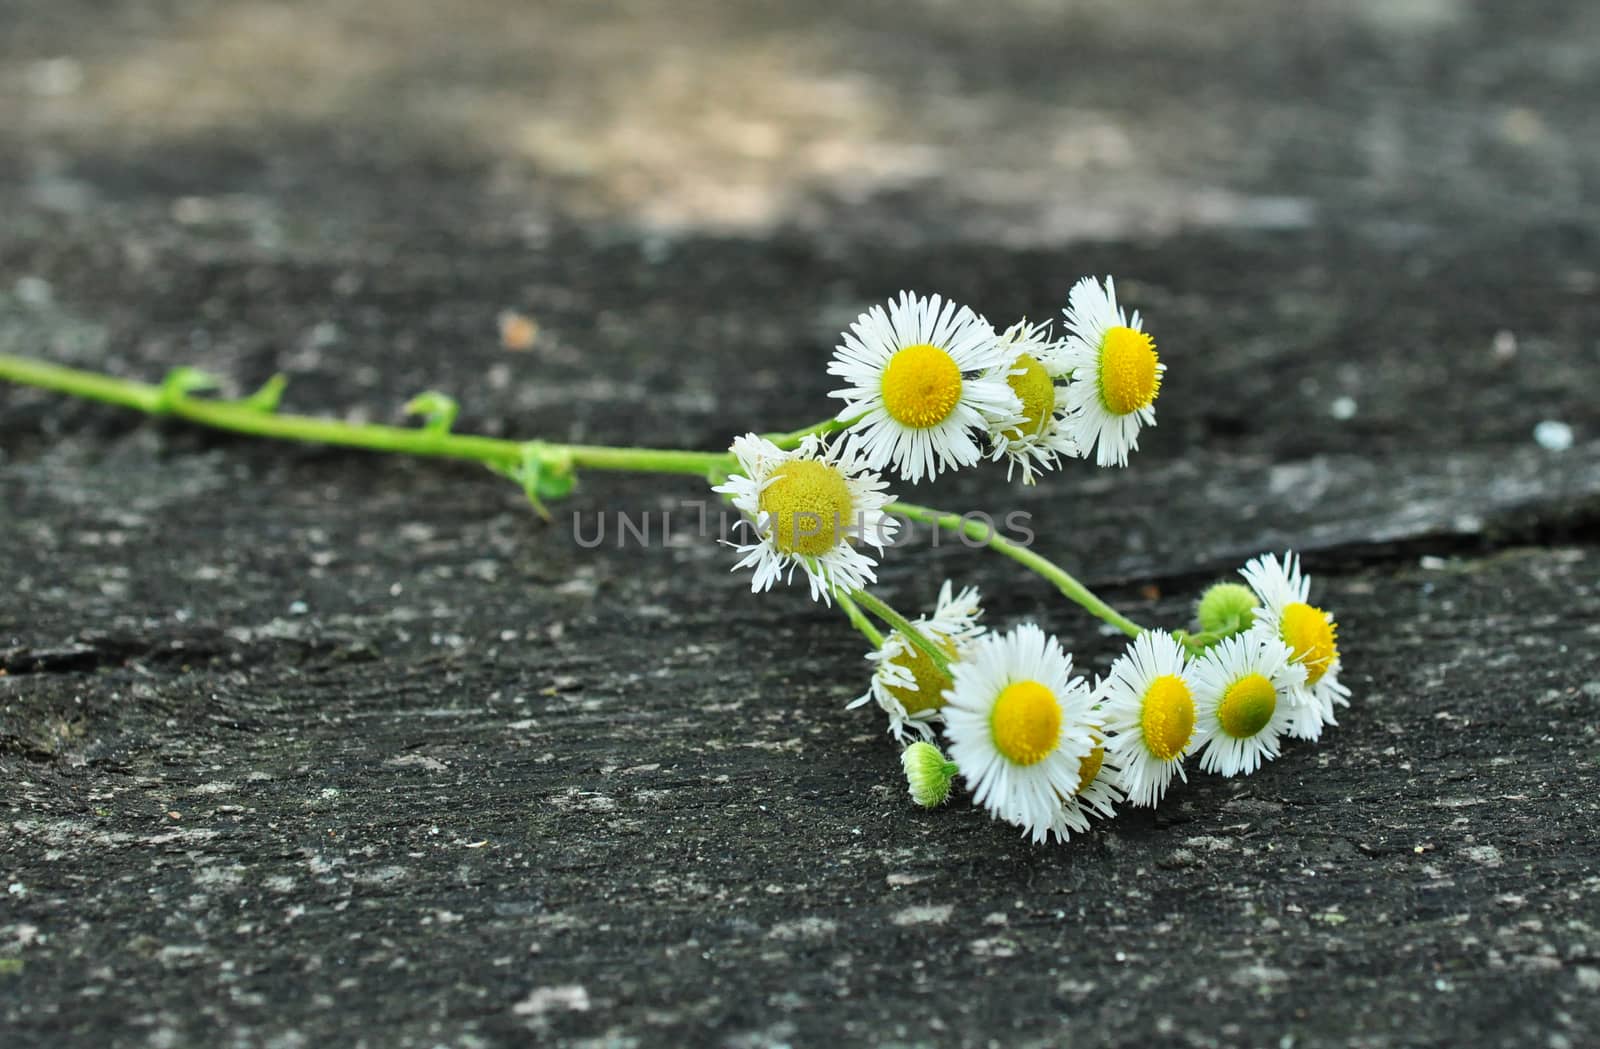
{"x":1245,"y":687}
{"x":1147,"y":700}
{"x":1019,"y":727}
{"x":1115,"y":374}
{"x":1099,"y":790}
{"x":922,"y":376}
{"x":906,"y":684}
{"x":809,"y":508}
{"x":1040,"y":438}
{"x":1311,"y":634}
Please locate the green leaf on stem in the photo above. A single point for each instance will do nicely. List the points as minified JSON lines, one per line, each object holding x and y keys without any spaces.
{"x":265,"y":400}
{"x":438,"y":410}
{"x":182,"y":381}
{"x":545,"y":473}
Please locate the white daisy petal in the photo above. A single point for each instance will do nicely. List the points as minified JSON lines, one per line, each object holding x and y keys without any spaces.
{"x":906,"y":685}
{"x":809,"y":508}
{"x":1286,"y":615}
{"x":1116,"y":374}
{"x":1246,"y":689}
{"x":1148,"y":703}
{"x":920,"y":376}
{"x":1019,"y":727}
{"x":1041,"y":438}
{"x":1099,"y":789}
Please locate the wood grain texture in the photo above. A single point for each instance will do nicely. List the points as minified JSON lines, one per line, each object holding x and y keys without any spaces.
{"x":309,"y":748}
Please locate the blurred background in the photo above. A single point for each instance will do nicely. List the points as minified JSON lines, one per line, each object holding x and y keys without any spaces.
{"x":1028,"y":121}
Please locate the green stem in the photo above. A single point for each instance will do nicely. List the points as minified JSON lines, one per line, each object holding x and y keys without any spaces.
{"x":793,"y":438}
{"x":1196,"y":644}
{"x":903,"y":626}
{"x":983,"y":530}
{"x":88,"y":385}
{"x":243,"y":417}
{"x":858,"y":619}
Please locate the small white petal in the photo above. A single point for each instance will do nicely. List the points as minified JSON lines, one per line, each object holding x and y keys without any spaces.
{"x":863,"y":356}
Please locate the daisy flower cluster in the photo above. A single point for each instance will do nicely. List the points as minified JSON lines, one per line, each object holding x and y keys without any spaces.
{"x":930,"y":386}
{"x":1045,"y":751}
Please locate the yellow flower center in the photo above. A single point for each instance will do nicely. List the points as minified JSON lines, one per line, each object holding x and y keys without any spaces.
{"x":1166,"y":717}
{"x":1089,"y":767}
{"x":1037,"y":391}
{"x":1025,"y":723}
{"x":928,"y":692}
{"x":1247,"y":706}
{"x":809,"y":503}
{"x":1128,"y":376}
{"x":1312,"y":637}
{"x":921,"y":386}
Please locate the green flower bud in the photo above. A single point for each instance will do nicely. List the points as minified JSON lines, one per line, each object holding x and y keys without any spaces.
{"x":1226,"y":609}
{"x":928,"y":774}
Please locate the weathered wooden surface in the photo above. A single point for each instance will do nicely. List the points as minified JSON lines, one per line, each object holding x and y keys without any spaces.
{"x":303,"y":747}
